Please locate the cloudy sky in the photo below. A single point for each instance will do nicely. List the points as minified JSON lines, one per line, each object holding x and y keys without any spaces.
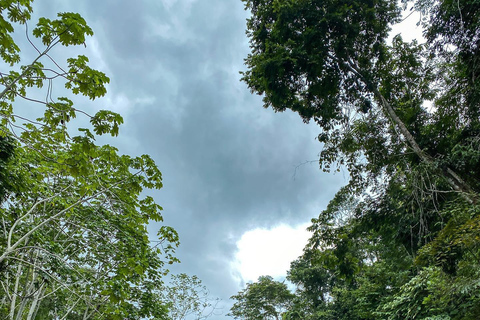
{"x":240,"y":182}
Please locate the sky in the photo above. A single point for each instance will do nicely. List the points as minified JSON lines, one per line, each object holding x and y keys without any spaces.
{"x":241,"y":182}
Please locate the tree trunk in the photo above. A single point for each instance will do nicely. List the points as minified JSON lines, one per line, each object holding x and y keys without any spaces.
{"x":13,"y":302}
{"x":452,"y":178}
{"x":35,"y":303}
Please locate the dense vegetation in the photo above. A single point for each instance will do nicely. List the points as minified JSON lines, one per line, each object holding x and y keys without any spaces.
{"x":402,"y":239}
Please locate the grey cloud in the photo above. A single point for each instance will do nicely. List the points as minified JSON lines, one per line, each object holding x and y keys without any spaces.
{"x":228,"y":164}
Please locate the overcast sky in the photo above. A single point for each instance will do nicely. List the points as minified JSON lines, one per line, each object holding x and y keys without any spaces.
{"x":240,"y":186}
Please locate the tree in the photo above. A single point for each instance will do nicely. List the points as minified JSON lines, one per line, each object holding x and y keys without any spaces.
{"x":187,"y":297}
{"x":329,"y":62}
{"x":400,"y":241}
{"x":73,"y":241}
{"x":262,"y":300}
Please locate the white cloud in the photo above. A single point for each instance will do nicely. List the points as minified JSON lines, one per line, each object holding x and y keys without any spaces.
{"x":96,"y":56}
{"x":269,"y":251}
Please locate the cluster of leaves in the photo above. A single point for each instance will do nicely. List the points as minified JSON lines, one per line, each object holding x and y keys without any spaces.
{"x":73,"y":239}
{"x":402,"y":239}
{"x":265,"y":299}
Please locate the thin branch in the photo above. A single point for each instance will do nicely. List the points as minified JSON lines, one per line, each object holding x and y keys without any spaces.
{"x":27,"y":69}
{"x":28,"y":38}
{"x":70,"y":310}
{"x":24,"y":216}
{"x":46,"y":273}
{"x":79,"y":201}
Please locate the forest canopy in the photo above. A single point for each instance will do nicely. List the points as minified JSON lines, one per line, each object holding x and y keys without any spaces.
{"x":402,"y":239}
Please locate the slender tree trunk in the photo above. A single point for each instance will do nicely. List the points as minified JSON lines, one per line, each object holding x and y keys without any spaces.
{"x":37,"y":293}
{"x":85,"y":314}
{"x":452,"y":178}
{"x":13,"y":302}
{"x":35,"y":303}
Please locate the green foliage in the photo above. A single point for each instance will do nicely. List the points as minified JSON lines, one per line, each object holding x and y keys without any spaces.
{"x":69,"y":29}
{"x":401,"y":239}
{"x":82,"y":79}
{"x":265,"y":299}
{"x":298,"y":69}
{"x":12,"y":11}
{"x":74,"y":241}
{"x":433,"y":294}
{"x":7,"y":147}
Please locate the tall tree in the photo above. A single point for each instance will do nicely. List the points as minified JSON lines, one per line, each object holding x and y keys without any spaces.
{"x":329,"y":61}
{"x":73,"y":238}
{"x":400,"y":241}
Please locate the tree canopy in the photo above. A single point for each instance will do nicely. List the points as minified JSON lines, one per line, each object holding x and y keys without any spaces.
{"x":262,"y":300}
{"x":401,"y":240}
{"x":74,"y":214}
{"x":186,"y":297}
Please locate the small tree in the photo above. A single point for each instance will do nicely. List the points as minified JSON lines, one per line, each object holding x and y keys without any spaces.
{"x":262,"y":300}
{"x":186,"y":297}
